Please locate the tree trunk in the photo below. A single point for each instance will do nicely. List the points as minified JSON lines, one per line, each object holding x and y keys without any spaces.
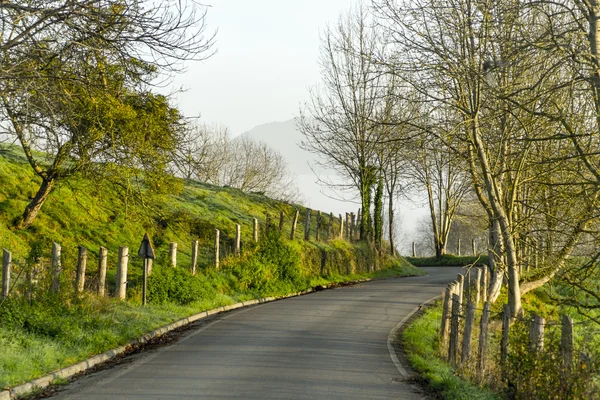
{"x":366,"y":228}
{"x":391,"y":226}
{"x":514,"y":292}
{"x":378,"y":217}
{"x":34,"y":207}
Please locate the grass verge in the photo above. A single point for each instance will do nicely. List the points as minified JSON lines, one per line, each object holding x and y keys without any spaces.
{"x":420,"y":341}
{"x":43,"y":336}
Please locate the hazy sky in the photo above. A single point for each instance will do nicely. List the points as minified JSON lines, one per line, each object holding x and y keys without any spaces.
{"x":266,"y":59}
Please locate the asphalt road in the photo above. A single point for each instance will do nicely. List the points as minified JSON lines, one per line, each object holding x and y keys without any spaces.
{"x":327,"y":345}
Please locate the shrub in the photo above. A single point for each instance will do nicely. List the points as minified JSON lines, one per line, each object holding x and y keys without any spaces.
{"x":178,"y":286}
{"x":274,"y":267}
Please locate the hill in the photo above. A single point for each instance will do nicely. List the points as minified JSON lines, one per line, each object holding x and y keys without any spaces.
{"x":285,"y":138}
{"x":41,"y":331}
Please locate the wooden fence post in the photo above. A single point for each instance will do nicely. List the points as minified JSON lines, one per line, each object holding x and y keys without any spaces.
{"x":294,"y":224}
{"x":238,"y":240}
{"x":121,"y":281}
{"x":268,"y":223}
{"x":81,"y":267}
{"x":454,"y":325}
{"x":348,"y":227}
{"x":461,"y":285}
{"x":281,"y":220}
{"x":6,"y":271}
{"x":341,"y":227}
{"x":566,"y":343}
{"x":255,"y":230}
{"x":317,"y":236}
{"x":414,"y":249}
{"x":483,"y":336}
{"x":173,"y":254}
{"x":217,"y":238}
{"x":484,"y":284}
{"x":56,"y":267}
{"x":446,"y":314}
{"x":504,"y":341}
{"x":102,"y":264}
{"x":477,"y":285}
{"x":468,"y":281}
{"x":352,"y":226}
{"x":536,"y":333}
{"x":195,"y":245}
{"x":149,"y":264}
{"x":468,"y":332}
{"x":307,"y":224}
{"x":330,"y":227}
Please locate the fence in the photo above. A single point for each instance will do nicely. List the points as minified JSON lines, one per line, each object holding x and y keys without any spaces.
{"x":519,"y":360}
{"x":223,"y":246}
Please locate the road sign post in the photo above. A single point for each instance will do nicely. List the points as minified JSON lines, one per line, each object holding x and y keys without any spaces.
{"x":146,"y":251}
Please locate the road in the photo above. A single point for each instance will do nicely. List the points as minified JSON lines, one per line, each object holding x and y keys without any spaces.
{"x":327,"y":345}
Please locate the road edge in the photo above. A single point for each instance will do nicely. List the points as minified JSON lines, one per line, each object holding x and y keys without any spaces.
{"x":393,"y":333}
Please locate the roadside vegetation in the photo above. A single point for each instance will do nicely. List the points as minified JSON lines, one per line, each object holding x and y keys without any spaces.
{"x":486,"y":112}
{"x":420,"y":341}
{"x":41,"y":331}
{"x":448,"y":260}
{"x":527,"y":374}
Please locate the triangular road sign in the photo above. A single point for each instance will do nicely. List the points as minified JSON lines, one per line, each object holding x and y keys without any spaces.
{"x":146,"y":249}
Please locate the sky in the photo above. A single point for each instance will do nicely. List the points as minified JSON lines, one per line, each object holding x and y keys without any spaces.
{"x":267,"y":58}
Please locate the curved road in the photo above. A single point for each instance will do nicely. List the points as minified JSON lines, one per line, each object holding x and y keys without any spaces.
{"x":327,"y":345}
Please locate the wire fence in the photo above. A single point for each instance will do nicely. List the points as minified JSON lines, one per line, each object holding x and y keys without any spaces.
{"x":523,"y":356}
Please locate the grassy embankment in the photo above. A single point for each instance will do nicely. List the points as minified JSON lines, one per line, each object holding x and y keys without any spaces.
{"x":538,"y":375}
{"x":40,"y":332}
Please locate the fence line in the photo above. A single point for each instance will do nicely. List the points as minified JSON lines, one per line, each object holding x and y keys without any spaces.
{"x":97,"y":284}
{"x":459,"y":307}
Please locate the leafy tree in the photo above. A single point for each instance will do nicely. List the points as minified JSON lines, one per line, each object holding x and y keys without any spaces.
{"x":76,"y":89}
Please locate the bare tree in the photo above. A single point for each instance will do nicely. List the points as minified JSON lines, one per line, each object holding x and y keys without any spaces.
{"x":464,"y":56}
{"x":339,"y":122}
{"x":211,"y":155}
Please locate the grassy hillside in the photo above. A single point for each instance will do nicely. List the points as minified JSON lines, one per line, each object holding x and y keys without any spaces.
{"x":40,"y":332}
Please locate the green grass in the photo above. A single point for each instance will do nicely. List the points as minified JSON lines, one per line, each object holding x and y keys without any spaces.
{"x":43,"y":333}
{"x":47,"y":335}
{"x":420,"y":340}
{"x":56,"y":334}
{"x":448,"y":260}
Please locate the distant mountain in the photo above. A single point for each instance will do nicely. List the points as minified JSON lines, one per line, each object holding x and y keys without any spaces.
{"x":285,"y":138}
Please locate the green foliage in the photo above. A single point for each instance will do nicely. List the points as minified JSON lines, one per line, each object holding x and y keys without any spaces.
{"x":539,"y":373}
{"x":179,"y":286}
{"x":274,"y":267}
{"x":40,"y":332}
{"x":448,"y":260}
{"x":421,"y":342}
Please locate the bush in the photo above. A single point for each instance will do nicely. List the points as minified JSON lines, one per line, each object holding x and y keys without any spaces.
{"x":274,"y":267}
{"x":177,"y":285}
{"x":539,"y":374}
